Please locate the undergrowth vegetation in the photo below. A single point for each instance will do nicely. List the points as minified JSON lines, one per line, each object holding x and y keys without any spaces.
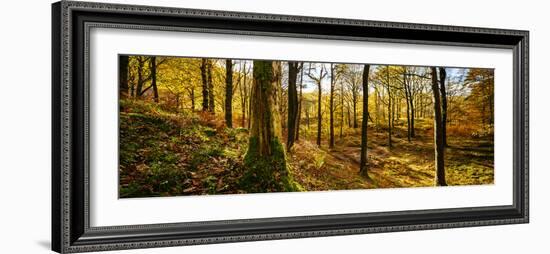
{"x":166,"y":154}
{"x":193,"y":153}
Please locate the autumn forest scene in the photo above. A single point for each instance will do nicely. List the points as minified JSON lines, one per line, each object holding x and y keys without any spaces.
{"x":204,"y":126}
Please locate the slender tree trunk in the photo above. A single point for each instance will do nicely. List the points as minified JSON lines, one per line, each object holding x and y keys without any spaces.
{"x":407,"y":98}
{"x":415,"y":99}
{"x":355,"y":124}
{"x":413,"y":111}
{"x":427,"y":110}
{"x":211,"y":102}
{"x":331,"y":106}
{"x":307,"y":117}
{"x":123,"y":76}
{"x":229,"y":93}
{"x":319,"y":116}
{"x":154,"y":79}
{"x":244,"y":96}
{"x":408,"y":121}
{"x":243,"y":111}
{"x":442,"y":78}
{"x":341,"y":110}
{"x":292,"y":104}
{"x":393,"y":107}
{"x":420,"y":103}
{"x":140,"y":80}
{"x":204,"y":78}
{"x":300,"y":101}
{"x":349,"y":116}
{"x":438,"y":133}
{"x":398,"y":108}
{"x":132,"y":90}
{"x":377,"y":105}
{"x":192,"y":97}
{"x":364,"y":162}
{"x":491,"y":103}
{"x":390,"y":115}
{"x":250,"y":101}
{"x":282,"y":108}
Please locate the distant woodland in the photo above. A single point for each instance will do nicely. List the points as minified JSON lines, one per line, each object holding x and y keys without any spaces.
{"x":192,"y":126}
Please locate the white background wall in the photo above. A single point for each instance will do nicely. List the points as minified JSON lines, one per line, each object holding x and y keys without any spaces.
{"x":25,"y":125}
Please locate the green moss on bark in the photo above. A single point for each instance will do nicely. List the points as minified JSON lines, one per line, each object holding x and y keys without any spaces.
{"x":267,"y":173}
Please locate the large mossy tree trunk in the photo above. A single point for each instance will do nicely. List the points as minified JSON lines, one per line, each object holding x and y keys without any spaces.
{"x":438,"y":133}
{"x":265,"y":161}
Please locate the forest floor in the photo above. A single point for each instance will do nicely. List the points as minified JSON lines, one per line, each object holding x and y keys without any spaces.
{"x":167,"y":154}
{"x":468,"y":161}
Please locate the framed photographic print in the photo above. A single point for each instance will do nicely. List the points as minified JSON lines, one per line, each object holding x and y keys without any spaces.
{"x":181,"y":126}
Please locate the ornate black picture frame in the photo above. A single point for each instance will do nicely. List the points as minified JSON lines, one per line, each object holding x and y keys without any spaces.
{"x":71,"y":231}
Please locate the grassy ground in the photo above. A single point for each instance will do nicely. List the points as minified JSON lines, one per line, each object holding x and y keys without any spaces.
{"x":468,"y":160}
{"x":410,"y":164}
{"x":167,"y":154}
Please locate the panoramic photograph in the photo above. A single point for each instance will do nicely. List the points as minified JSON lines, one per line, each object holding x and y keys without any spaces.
{"x":207,"y":126}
